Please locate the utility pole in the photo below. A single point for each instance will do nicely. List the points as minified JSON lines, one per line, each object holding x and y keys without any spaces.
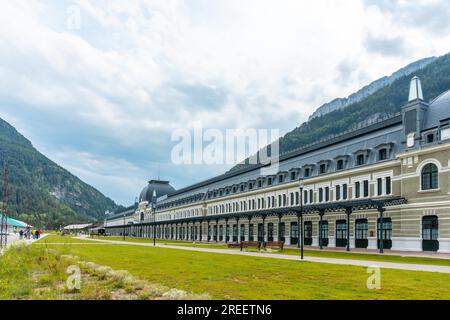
{"x":4,"y":221}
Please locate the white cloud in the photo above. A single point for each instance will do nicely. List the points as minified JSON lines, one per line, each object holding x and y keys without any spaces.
{"x":136,"y":70}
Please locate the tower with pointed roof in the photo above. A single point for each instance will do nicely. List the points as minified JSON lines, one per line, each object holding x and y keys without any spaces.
{"x":414,"y":114}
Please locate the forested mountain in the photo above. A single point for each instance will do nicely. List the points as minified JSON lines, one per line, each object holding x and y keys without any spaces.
{"x":41,"y":192}
{"x":386,"y":101}
{"x":366,"y":91}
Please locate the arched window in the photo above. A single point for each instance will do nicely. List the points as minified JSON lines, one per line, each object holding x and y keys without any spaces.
{"x":430,"y":177}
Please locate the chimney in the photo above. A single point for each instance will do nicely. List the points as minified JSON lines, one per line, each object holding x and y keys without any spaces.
{"x":413,"y":114}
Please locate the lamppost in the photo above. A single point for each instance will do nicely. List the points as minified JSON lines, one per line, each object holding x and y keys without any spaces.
{"x":124,"y":215}
{"x":300,"y":227}
{"x":106,"y":220}
{"x":154,"y":216}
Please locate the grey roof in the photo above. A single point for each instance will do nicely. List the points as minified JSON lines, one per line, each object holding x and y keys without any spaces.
{"x":128,"y":211}
{"x":368,"y":138}
{"x":162,"y":188}
{"x":387,"y":133}
{"x":439,"y":110}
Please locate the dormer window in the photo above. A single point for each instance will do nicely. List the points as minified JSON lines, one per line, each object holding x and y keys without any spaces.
{"x":259,"y":183}
{"x":360,"y":160}
{"x":293,"y":175}
{"x":384,"y":151}
{"x":430,"y":138}
{"x":269,"y":181}
{"x":250,"y":186}
{"x":307,"y":172}
{"x":340,"y":165}
{"x":382,"y":154}
{"x":280,"y":179}
{"x":323,"y":168}
{"x":242,"y":187}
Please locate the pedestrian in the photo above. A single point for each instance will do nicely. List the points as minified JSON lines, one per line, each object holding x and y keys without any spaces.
{"x":21,"y":234}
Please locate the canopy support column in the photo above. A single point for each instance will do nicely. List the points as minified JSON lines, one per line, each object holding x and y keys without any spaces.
{"x":348,"y":211}
{"x":321,"y":213}
{"x":381,"y":210}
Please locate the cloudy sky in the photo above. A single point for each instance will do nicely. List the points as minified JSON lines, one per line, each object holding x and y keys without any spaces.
{"x":99,"y":86}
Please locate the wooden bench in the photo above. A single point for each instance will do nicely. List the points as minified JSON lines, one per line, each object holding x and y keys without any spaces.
{"x":233,"y":245}
{"x":250,"y":244}
{"x":274,"y":245}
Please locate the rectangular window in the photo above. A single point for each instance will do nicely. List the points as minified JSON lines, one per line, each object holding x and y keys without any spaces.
{"x":361,"y":228}
{"x":380,"y":186}
{"x":360,"y":160}
{"x":297,"y":198}
{"x":388,"y":185}
{"x":340,"y":165}
{"x":305,"y":197}
{"x":338,"y":192}
{"x":357,"y":189}
{"x":323,"y":168}
{"x":308,"y":229}
{"x":344,"y":191}
{"x":430,"y":138}
{"x":307,"y":173}
{"x":327,"y":194}
{"x":292,"y":198}
{"x":281,"y":231}
{"x":280,"y":179}
{"x":320,"y":194}
{"x":292,"y":175}
{"x":269,"y":181}
{"x":341,"y":229}
{"x":366,"y":188}
{"x":311,"y":196}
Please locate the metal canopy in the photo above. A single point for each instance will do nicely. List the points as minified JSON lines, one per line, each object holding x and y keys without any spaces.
{"x":333,"y":207}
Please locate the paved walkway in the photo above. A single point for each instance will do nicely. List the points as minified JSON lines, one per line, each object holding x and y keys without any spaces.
{"x":15,"y":238}
{"x":362,"y":263}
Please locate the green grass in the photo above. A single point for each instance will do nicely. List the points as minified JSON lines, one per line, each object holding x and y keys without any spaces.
{"x":25,"y":270}
{"x":307,"y":253}
{"x":39,"y":272}
{"x":243,"y":277}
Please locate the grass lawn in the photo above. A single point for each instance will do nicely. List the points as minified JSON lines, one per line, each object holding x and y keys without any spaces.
{"x":41,"y":272}
{"x":307,"y":253}
{"x":240,"y":277}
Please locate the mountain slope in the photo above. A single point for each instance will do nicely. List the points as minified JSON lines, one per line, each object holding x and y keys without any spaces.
{"x":41,"y":192}
{"x":386,"y":101}
{"x":366,"y":91}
